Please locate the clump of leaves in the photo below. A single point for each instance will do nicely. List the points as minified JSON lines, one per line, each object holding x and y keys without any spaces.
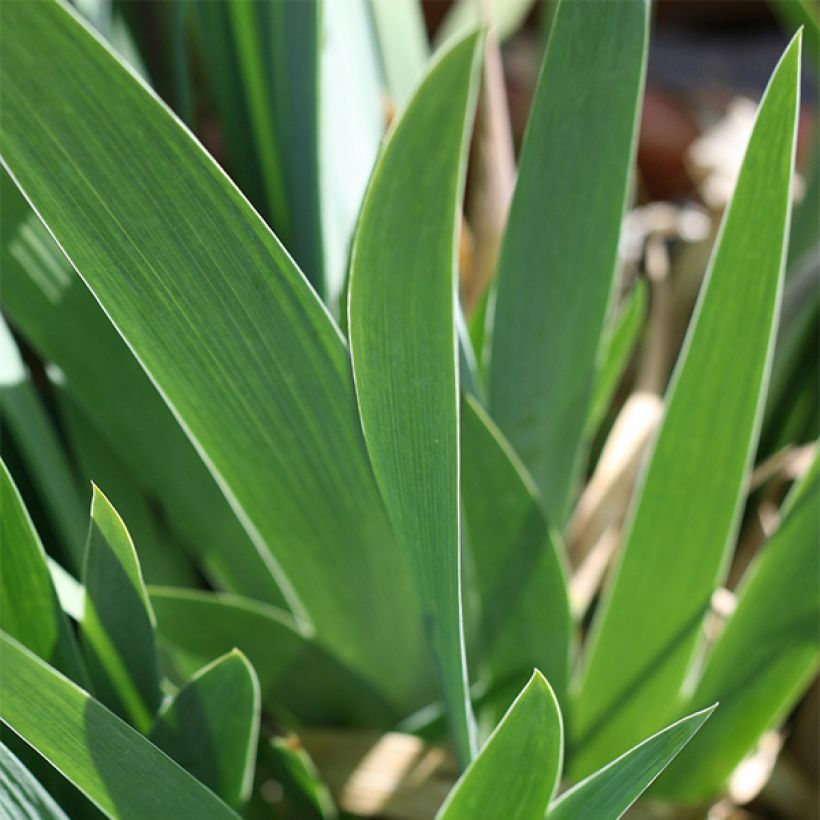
{"x":361,"y":523}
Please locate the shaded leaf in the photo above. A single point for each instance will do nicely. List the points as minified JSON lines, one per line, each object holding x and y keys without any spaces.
{"x":92,"y":747}
{"x":211,"y":727}
{"x":21,"y":795}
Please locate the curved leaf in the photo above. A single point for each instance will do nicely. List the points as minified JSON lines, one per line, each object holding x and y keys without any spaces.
{"x":21,"y":795}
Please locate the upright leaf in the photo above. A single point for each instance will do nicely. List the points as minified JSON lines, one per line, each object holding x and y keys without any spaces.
{"x":403,"y":346}
{"x":558,"y":256}
{"x":21,"y":795}
{"x":766,"y":655}
{"x":211,"y":727}
{"x":29,"y":609}
{"x":517,"y":771}
{"x":609,"y":792}
{"x":118,"y":624}
{"x":686,"y":514}
{"x":525,"y":620}
{"x":120,"y":771}
{"x":214,"y":307}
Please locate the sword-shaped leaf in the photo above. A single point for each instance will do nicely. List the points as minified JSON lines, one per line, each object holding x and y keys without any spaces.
{"x":22,"y":797}
{"x":558,"y":256}
{"x":404,"y":350}
{"x":686,"y":513}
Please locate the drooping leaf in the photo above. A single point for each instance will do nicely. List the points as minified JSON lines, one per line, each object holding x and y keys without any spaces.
{"x":517,"y":770}
{"x":29,"y":609}
{"x":211,"y":727}
{"x":118,"y":623}
{"x":403,"y":347}
{"x":21,"y":795}
{"x":23,"y":416}
{"x":609,"y":792}
{"x":681,"y":528}
{"x":525,"y":620}
{"x":120,"y":771}
{"x":555,"y":272}
{"x":293,"y":668}
{"x":766,"y":655}
{"x":58,"y":316}
{"x":212,"y":305}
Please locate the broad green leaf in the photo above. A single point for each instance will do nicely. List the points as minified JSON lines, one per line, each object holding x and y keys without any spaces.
{"x":213,"y":306}
{"x":518,"y":769}
{"x":21,"y":795}
{"x":766,"y":655}
{"x":623,"y":336}
{"x":117,"y":628}
{"x":404,"y":349}
{"x":686,"y":514}
{"x":293,"y":668}
{"x":211,"y":727}
{"x":29,"y":608}
{"x":609,"y":792}
{"x":120,"y":771}
{"x":23,"y":416}
{"x":54,"y":310}
{"x":399,"y":26}
{"x":525,"y":620}
{"x":558,"y":256}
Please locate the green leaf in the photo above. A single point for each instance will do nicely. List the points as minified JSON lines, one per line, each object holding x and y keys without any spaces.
{"x":21,"y":795}
{"x":213,"y":307}
{"x":558,"y":256}
{"x":609,"y":792}
{"x":211,"y":727}
{"x":517,"y":771}
{"x":403,"y":346}
{"x":29,"y":609}
{"x":25,"y":418}
{"x":121,"y":772}
{"x":766,"y":655}
{"x":117,"y":629}
{"x":525,"y":619}
{"x":623,"y":336}
{"x":686,"y":515}
{"x":293,"y":668}
{"x":399,"y":26}
{"x":58,"y":316}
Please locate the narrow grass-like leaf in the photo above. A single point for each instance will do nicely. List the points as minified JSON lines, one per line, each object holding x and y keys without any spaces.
{"x":21,"y":795}
{"x":293,"y":668}
{"x":23,"y":416}
{"x":554,"y":279}
{"x":212,"y":305}
{"x":404,"y":349}
{"x":211,"y":727}
{"x":29,"y":608}
{"x":686,"y":514}
{"x":399,"y":26}
{"x":518,"y":769}
{"x":118,"y":624}
{"x":623,"y":336}
{"x":58,"y":316}
{"x":506,"y":17}
{"x":525,"y":620}
{"x":609,"y":792}
{"x":766,"y":655}
{"x":120,"y":771}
